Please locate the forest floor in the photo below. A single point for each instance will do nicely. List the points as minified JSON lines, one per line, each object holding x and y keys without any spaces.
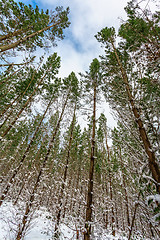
{"x":41,"y":227}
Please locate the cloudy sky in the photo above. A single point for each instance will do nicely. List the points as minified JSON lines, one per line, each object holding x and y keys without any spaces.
{"x":79,"y":47}
{"x":87,"y":18}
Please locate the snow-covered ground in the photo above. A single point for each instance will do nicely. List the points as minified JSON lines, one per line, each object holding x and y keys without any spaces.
{"x":41,"y":228}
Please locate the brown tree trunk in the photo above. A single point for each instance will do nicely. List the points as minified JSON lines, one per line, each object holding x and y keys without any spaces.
{"x":106,"y":203}
{"x":122,"y":215}
{"x":112,"y":209}
{"x":20,"y":190}
{"x":60,"y":201}
{"x":5,"y":168}
{"x":116,"y":211}
{"x":125,"y":191}
{"x":110,"y":185}
{"x":67,"y":199}
{"x":154,"y":168}
{"x":133,"y":218}
{"x":91,"y":171}
{"x":5,"y":110}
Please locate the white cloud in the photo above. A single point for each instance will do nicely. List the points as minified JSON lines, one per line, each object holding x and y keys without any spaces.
{"x":87,"y":18}
{"x":72,"y":59}
{"x":80,"y":46}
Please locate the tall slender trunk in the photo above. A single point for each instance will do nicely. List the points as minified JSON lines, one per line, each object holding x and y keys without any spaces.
{"x":60,"y":201}
{"x":4,"y":194}
{"x":91,"y":171}
{"x":22,"y":109}
{"x":16,"y":198}
{"x":67,"y":199}
{"x":124,"y":187}
{"x":153,"y":166}
{"x":17,"y":43}
{"x":133,"y":218}
{"x":110,"y":185}
{"x":112,"y":209}
{"x":116,"y":211}
{"x":122,"y":214}
{"x":32,"y":196}
{"x":106,"y":216}
{"x":78,"y":179}
{"x":105,"y":190}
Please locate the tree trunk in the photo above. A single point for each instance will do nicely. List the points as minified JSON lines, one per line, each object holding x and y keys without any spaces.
{"x":110,"y":186}
{"x":133,"y":218}
{"x":5,"y":168}
{"x":106,"y":220}
{"x":125,"y":191}
{"x":91,"y":171}
{"x":5,"y":110}
{"x":153,"y":166}
{"x":65,"y":174}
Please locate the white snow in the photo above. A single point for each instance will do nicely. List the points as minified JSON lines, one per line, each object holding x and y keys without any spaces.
{"x":156,"y":198}
{"x":42,"y":227}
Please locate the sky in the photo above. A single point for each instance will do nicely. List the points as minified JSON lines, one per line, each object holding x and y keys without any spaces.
{"x":87,"y":17}
{"x":79,"y":46}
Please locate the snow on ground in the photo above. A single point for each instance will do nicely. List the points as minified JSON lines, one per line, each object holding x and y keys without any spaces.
{"x":41,"y":228}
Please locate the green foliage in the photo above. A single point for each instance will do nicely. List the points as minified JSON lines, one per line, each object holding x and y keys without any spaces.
{"x":94,"y":68}
{"x":139,"y":29}
{"x":19,"y":21}
{"x":106,"y":35}
{"x":15,"y":16}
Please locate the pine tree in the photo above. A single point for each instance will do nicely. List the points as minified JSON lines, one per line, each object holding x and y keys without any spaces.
{"x":93,"y":83}
{"x":23,"y":27}
{"x":107,"y":36}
